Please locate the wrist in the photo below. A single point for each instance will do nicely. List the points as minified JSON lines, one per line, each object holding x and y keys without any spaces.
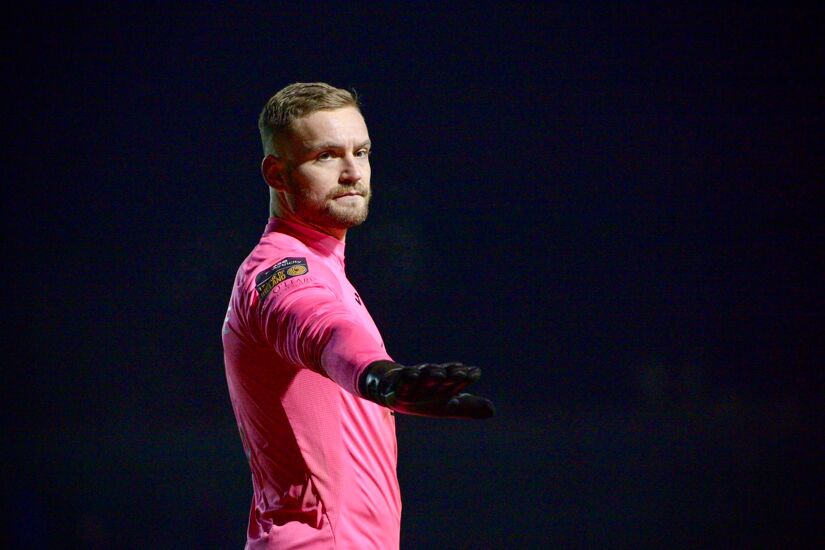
{"x":375,"y":380}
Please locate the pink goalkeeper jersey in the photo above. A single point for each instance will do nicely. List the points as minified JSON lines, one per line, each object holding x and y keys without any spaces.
{"x":296,"y":338}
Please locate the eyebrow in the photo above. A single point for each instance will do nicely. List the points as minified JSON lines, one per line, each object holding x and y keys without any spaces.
{"x":333,"y":145}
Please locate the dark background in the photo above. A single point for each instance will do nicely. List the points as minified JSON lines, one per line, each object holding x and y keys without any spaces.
{"x":612,"y":210}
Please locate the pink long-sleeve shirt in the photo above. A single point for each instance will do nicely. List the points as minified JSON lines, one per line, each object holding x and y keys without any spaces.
{"x":296,"y":338}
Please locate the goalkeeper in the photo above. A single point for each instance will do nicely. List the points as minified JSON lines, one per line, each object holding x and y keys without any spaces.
{"x":312,"y":387}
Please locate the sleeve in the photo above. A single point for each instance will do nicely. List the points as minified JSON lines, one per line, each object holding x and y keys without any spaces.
{"x":307,"y":325}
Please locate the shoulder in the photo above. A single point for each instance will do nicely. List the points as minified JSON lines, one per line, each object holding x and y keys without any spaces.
{"x":276,"y":251}
{"x":284,"y":265}
{"x":278,"y":274}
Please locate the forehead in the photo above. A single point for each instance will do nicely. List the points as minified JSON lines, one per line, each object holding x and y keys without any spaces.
{"x":344,"y":126}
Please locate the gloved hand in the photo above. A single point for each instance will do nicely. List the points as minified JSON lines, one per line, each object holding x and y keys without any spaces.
{"x":425,"y":390}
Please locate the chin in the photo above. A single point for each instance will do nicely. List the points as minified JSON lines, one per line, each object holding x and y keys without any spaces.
{"x":352,"y":222}
{"x":348,"y":218}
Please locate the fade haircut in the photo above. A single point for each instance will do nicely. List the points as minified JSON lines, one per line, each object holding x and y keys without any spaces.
{"x":296,"y":101}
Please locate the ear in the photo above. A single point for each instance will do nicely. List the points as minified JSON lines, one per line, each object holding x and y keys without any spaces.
{"x":272,"y":170}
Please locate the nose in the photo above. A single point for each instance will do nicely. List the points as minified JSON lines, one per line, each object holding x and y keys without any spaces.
{"x":350,"y":172}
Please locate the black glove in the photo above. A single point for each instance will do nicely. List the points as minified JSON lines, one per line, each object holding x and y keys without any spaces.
{"x":425,"y":390}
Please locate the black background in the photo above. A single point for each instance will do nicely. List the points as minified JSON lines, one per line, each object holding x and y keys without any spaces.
{"x":612,"y":210}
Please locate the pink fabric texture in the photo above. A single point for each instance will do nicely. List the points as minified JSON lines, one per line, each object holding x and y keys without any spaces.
{"x":296,"y":338}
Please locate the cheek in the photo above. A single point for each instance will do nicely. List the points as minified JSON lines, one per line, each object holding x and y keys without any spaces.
{"x":311,"y":183}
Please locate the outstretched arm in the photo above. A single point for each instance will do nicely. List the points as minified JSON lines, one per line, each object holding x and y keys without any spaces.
{"x":308,"y":326}
{"x":425,"y":390}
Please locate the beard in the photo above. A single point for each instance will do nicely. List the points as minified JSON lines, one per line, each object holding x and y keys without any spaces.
{"x":329,"y":212}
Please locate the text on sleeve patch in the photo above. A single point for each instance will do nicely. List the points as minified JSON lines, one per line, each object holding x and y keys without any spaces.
{"x":278,"y":273}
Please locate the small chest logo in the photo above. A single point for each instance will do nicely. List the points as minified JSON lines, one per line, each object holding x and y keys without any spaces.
{"x":358,"y":299}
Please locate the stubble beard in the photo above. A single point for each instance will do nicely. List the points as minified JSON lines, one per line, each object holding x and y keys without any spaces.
{"x":330,"y":213}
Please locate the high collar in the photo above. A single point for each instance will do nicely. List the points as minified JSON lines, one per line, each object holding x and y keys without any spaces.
{"x":325,"y":245}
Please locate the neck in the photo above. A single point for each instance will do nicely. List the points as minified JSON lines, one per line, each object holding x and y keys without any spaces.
{"x":282,"y":210}
{"x":340,"y":234}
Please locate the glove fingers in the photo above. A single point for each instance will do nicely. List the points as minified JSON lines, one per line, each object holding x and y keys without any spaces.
{"x":423,"y":382}
{"x":460,"y":370}
{"x":440,"y":382}
{"x":433,"y":372}
{"x":407,"y":388}
{"x":429,"y":390}
{"x":434,"y":382}
{"x":462,"y":376}
{"x":466,"y":405}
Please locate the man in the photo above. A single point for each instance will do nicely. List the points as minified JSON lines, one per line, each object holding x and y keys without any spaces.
{"x":312,"y":387}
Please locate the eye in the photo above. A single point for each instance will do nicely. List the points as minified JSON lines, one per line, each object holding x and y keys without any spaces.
{"x":362,"y":153}
{"x":326,"y":155}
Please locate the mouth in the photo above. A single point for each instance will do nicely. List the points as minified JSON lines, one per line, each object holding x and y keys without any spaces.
{"x":348,"y":194}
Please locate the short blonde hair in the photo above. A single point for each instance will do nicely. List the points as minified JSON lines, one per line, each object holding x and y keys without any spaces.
{"x":297,"y":101}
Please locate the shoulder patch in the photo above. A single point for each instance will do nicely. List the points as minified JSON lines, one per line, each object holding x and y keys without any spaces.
{"x":278,"y":273}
